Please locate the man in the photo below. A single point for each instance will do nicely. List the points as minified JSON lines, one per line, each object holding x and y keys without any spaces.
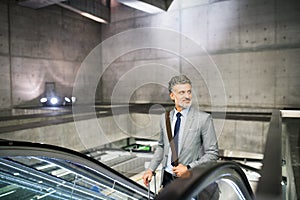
{"x":197,"y":142}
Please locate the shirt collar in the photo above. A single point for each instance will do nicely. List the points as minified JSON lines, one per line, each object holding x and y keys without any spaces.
{"x":183,"y":112}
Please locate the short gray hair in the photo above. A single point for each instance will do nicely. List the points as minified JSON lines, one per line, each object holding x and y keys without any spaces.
{"x":181,"y":79}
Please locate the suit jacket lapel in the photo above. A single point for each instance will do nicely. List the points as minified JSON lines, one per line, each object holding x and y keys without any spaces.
{"x":187,"y":127}
{"x":171,"y":115}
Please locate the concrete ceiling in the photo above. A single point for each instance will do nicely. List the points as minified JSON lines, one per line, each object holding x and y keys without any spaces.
{"x":98,"y":8}
{"x":101,"y":8}
{"x":36,"y":4}
{"x":94,"y":9}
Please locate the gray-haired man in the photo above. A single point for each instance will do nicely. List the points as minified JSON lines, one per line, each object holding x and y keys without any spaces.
{"x":197,"y":142}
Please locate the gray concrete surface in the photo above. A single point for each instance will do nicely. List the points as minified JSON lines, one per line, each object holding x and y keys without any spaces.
{"x":38,"y":46}
{"x":60,"y":129}
{"x":254,"y":45}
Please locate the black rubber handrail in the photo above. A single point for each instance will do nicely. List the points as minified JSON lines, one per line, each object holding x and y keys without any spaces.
{"x":269,"y":186}
{"x":203,"y":176}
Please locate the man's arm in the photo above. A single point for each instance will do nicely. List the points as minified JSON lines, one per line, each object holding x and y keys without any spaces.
{"x":158,"y":154}
{"x":157,"y":157}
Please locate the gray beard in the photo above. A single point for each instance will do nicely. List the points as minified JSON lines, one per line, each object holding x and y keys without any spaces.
{"x":184,"y":105}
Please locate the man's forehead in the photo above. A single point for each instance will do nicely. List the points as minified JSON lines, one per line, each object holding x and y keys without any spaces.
{"x":185,"y":86}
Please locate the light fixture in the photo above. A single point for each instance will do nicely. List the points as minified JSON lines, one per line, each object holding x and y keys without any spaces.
{"x":73,"y":99}
{"x":85,"y":14}
{"x":148,"y":5}
{"x":43,"y":100}
{"x":67,"y":99}
{"x":54,"y":100}
{"x":57,"y":100}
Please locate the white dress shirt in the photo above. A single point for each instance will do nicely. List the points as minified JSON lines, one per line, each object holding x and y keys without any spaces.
{"x":181,"y":128}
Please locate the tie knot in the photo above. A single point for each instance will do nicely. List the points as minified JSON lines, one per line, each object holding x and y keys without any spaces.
{"x":178,"y":114}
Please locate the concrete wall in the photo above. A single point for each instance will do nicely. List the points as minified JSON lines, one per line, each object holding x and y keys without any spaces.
{"x":67,"y":134}
{"x":86,"y":134}
{"x":38,"y":46}
{"x":254,"y":45}
{"x":236,"y":135}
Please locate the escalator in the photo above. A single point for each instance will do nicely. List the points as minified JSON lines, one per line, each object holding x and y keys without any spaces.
{"x":39,"y":171}
{"x":225,"y":180}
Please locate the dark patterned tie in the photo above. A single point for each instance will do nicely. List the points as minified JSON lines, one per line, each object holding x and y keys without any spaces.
{"x":176,"y":137}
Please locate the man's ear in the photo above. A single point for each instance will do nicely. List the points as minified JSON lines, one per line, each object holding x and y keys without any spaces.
{"x":172,"y":96}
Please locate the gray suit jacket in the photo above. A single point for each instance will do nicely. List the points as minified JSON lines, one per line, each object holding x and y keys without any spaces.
{"x":199,"y":141}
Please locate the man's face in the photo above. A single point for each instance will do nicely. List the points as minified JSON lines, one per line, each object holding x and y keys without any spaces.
{"x":182,"y":96}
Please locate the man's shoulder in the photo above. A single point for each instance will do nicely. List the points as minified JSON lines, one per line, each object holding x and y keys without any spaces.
{"x":167,"y":111}
{"x":196,"y":111}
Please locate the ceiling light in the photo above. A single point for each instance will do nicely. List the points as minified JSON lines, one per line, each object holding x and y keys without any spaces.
{"x":93,"y":17}
{"x":148,"y":7}
{"x":85,"y":14}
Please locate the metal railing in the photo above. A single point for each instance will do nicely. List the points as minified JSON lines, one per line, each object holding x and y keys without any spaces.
{"x":269,"y":186}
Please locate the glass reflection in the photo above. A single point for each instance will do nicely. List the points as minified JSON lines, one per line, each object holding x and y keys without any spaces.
{"x":32,"y":177}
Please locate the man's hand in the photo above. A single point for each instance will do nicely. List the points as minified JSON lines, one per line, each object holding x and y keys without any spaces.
{"x":180,"y":170}
{"x":147,"y":177}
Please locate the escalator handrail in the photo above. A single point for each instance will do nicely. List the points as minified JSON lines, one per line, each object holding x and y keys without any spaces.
{"x":203,"y":176}
{"x":21,"y":148}
{"x":269,"y":185}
